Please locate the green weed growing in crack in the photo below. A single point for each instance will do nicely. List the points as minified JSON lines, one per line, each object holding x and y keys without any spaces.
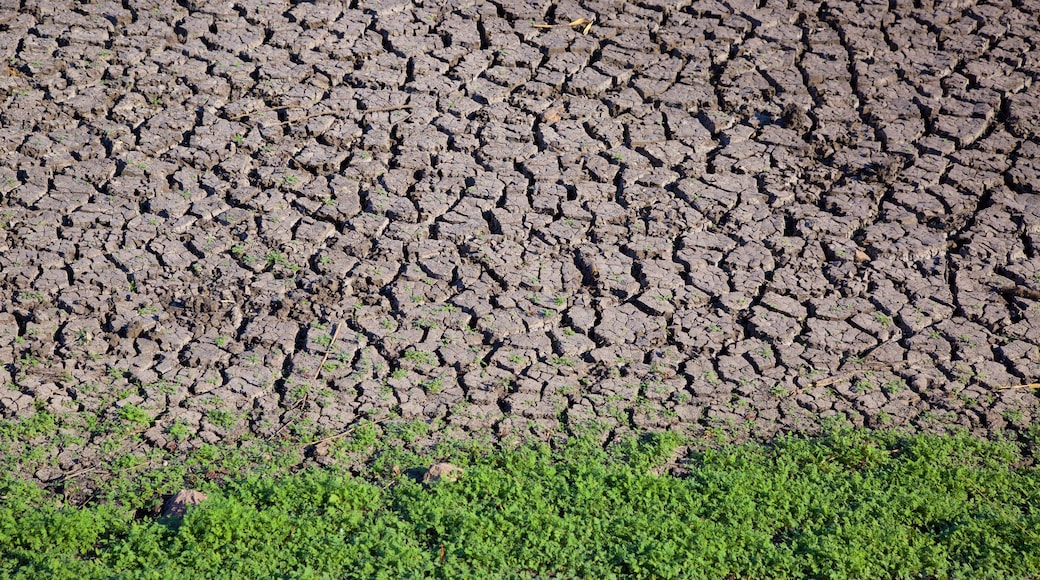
{"x":116,"y":373}
{"x":883,"y":320}
{"x":863,"y":386}
{"x":1013,"y":416}
{"x":179,"y":430}
{"x":221,"y":418}
{"x":280,"y":259}
{"x":134,"y":417}
{"x":894,"y":386}
{"x":433,"y":386}
{"x":419,"y":357}
{"x":30,"y":296}
{"x":563,"y":361}
{"x":711,"y":377}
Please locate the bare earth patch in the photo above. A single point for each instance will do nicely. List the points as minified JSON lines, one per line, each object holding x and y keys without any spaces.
{"x":240,"y":220}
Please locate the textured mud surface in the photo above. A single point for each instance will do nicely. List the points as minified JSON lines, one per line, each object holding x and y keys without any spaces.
{"x":245,"y":218}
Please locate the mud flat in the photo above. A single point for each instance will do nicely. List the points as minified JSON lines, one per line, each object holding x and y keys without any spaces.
{"x":240,"y":219}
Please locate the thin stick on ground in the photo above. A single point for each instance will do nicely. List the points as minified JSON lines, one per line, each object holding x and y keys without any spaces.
{"x":327,"y":351}
{"x":309,"y":116}
{"x":833,"y":379}
{"x":343,"y":433}
{"x":1022,"y":386}
{"x":334,"y":111}
{"x":284,"y":426}
{"x":268,"y":110}
{"x":72,"y":475}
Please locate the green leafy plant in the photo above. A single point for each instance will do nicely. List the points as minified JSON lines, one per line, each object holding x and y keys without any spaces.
{"x":420,"y":357}
{"x":178,"y":431}
{"x":221,"y":418}
{"x":848,"y":504}
{"x":134,"y":416}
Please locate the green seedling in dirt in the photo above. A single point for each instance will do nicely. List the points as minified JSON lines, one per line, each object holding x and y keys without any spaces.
{"x":426,"y":323}
{"x":419,"y":357}
{"x":1013,"y":416}
{"x":433,"y":386}
{"x":134,"y":416}
{"x":280,"y":259}
{"x":221,"y":418}
{"x":563,"y":361}
{"x":116,"y":373}
{"x":30,"y":296}
{"x":863,"y":386}
{"x":894,"y":386}
{"x":883,"y":319}
{"x":711,"y":377}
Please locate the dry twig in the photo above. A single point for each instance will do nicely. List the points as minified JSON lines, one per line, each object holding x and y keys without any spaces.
{"x":343,"y":433}
{"x":584,"y":22}
{"x":1022,"y":386}
{"x":331,"y":112}
{"x":1021,"y":292}
{"x":269,"y":110}
{"x":328,"y":350}
{"x":72,"y":475}
{"x":319,"y":113}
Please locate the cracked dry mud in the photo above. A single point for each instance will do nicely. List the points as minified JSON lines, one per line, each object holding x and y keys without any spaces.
{"x":699,"y":215}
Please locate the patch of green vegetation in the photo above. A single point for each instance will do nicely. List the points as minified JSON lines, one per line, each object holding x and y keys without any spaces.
{"x":39,"y":424}
{"x":135,"y":417}
{"x":420,"y":357}
{"x":883,"y":320}
{"x":850,"y":504}
{"x":280,"y":259}
{"x":894,"y":386}
{"x":221,"y":418}
{"x":179,"y":431}
{"x":30,"y":296}
{"x":563,"y":361}
{"x":433,"y":386}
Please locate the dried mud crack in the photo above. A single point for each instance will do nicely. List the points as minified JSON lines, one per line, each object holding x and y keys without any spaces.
{"x":240,"y":219}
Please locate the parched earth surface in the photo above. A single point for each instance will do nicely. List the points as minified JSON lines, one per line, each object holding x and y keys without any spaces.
{"x":247,"y":218}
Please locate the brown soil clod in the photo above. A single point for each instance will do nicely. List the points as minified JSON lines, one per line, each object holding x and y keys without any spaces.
{"x":442,"y":471}
{"x":178,"y":504}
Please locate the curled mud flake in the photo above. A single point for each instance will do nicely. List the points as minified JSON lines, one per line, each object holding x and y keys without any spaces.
{"x":177,"y":505}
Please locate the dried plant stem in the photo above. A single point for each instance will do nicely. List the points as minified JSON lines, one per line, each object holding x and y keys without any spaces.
{"x":1022,"y":386}
{"x":320,"y":113}
{"x":327,"y":351}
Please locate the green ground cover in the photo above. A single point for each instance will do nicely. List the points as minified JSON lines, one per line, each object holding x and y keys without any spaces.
{"x":848,"y":504}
